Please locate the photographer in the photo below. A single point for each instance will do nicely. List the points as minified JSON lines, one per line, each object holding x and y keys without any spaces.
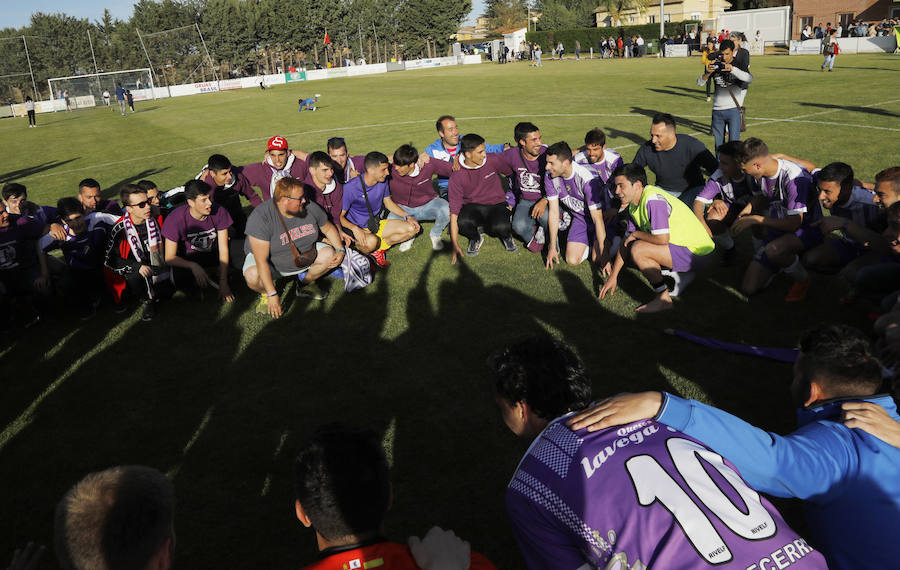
{"x":730,"y":79}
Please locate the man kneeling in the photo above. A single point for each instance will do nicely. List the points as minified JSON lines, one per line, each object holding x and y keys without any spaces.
{"x":282,"y":236}
{"x":663,"y":233}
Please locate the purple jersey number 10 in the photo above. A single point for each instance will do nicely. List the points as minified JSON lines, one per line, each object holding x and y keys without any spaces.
{"x":652,"y":483}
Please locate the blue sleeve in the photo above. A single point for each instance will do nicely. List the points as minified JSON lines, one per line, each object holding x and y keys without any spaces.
{"x":494,"y":148}
{"x":806,"y":464}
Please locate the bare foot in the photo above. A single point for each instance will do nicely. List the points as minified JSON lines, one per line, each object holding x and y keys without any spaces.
{"x":655,"y":306}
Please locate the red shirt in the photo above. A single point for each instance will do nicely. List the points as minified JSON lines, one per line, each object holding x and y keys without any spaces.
{"x":385,"y":556}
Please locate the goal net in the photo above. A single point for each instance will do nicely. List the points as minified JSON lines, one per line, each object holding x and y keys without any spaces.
{"x":15,"y":78}
{"x":178,"y":56}
{"x":87,"y":90}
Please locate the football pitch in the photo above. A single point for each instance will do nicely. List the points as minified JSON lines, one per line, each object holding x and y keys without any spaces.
{"x":219,"y":397}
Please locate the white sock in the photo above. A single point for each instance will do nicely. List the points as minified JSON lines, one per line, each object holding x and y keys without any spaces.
{"x":796,"y":270}
{"x":724,"y":240}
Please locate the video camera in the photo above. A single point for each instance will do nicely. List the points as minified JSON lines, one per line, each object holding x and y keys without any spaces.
{"x":717,"y":60}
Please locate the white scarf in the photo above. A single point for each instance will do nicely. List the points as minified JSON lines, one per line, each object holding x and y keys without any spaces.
{"x":154,"y":257}
{"x":279,"y":174}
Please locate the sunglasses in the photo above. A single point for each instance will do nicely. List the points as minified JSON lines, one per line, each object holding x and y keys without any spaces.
{"x":140,"y":204}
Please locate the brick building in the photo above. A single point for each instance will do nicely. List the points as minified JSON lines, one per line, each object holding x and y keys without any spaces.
{"x":842,"y":12}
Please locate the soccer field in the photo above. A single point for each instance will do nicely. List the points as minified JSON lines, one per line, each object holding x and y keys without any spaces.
{"x":219,"y":397}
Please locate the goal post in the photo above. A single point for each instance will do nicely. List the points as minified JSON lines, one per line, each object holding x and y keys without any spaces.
{"x":84,"y":87}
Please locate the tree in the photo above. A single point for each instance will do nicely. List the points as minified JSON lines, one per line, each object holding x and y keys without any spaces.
{"x":506,"y":13}
{"x":554,"y":16}
{"x":617,"y":7}
{"x":430,"y":20}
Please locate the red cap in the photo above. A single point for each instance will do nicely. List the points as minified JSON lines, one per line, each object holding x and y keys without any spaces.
{"x":277,"y":143}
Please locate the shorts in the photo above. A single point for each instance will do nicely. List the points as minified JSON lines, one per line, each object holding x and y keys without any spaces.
{"x":809,"y":236}
{"x":683,"y":259}
{"x":847,"y":250}
{"x":250,"y":261}
{"x":581,"y":232}
{"x":381,"y":225}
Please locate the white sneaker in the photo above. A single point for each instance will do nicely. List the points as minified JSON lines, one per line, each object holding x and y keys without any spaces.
{"x":681,"y":279}
{"x":407,"y":245}
{"x":437,"y":244}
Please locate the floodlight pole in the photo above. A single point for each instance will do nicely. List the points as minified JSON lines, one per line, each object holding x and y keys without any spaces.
{"x":216,"y":75}
{"x":662,"y":19}
{"x":376,"y":43}
{"x":359,"y":28}
{"x":96,"y":71}
{"x":31,"y":71}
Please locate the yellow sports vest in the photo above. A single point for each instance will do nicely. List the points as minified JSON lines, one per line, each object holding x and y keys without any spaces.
{"x":684,"y":227}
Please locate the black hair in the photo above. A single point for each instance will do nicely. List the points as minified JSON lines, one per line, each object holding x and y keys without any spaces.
{"x":147,"y":185}
{"x":439,"y":124}
{"x":522,"y":130}
{"x":665,"y":118}
{"x":726,"y":44}
{"x":754,"y":148}
{"x":734,"y":149}
{"x":194,"y":188}
{"x":544,"y":373}
{"x":335,"y":143}
{"x":318,"y":158}
{"x":88,"y":183}
{"x":840,"y":358}
{"x":560,"y":150}
{"x":839,"y":172}
{"x":470,"y":142}
{"x":12,"y":190}
{"x":595,"y":136}
{"x":342,"y":481}
{"x":405,"y":155}
{"x":127,"y":191}
{"x":67,"y":206}
{"x":633,"y":172}
{"x":375,"y":159}
{"x":218,"y":162}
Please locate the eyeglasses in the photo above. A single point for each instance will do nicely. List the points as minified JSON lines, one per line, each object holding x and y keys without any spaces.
{"x":141,"y":204}
{"x":300,"y":199}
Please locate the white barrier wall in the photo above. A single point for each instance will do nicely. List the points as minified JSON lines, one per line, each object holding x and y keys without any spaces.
{"x":251,"y":82}
{"x":868,"y":45}
{"x":805,"y":46}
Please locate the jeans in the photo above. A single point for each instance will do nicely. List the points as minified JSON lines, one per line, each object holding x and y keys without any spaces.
{"x":437,"y":209}
{"x":829,"y":62}
{"x":730,"y":117}
{"x":523,"y":223}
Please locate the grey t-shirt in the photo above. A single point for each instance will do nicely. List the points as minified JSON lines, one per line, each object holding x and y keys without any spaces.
{"x":304,"y":232}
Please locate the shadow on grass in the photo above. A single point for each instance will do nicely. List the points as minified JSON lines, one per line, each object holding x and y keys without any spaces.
{"x":32,"y":170}
{"x":112,"y":191}
{"x":868,"y":110}
{"x":221,"y":401}
{"x":676,"y":93}
{"x":618,"y":133}
{"x":680,"y":121}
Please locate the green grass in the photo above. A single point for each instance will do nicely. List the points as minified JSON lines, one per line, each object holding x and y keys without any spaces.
{"x":219,"y":397}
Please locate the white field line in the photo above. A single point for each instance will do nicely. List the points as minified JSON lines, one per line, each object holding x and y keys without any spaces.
{"x":475,"y":118}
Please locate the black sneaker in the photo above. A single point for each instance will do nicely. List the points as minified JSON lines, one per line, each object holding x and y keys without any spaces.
{"x":509,"y":244}
{"x":120,"y":307}
{"x":148,"y":312}
{"x":475,"y":245}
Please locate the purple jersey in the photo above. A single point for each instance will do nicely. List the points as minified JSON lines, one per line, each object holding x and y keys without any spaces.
{"x":731,"y":191}
{"x":415,"y":189}
{"x":264,"y":176}
{"x":17,"y":242}
{"x":642,"y":496}
{"x":193,"y":235}
{"x":354,"y":201}
{"x":580,"y":192}
{"x":790,"y":192}
{"x":331,"y":198}
{"x":239,"y":183}
{"x":527,"y":180}
{"x":84,"y":250}
{"x":479,"y":184}
{"x":602,"y":168}
{"x":357,"y":163}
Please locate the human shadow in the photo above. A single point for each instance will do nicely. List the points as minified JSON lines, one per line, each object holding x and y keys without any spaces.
{"x":112,"y":191}
{"x":813,"y":70}
{"x":682,"y":121}
{"x":615,"y":133}
{"x":855,"y":108}
{"x":32,"y":170}
{"x":687,"y":89}
{"x":676,"y":93}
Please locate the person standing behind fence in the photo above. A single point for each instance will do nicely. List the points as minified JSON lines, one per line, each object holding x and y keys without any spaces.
{"x":29,"y":107}
{"x":120,"y":98}
{"x":830,"y":49}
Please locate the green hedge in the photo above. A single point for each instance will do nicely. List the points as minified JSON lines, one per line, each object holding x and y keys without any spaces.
{"x":589,"y":37}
